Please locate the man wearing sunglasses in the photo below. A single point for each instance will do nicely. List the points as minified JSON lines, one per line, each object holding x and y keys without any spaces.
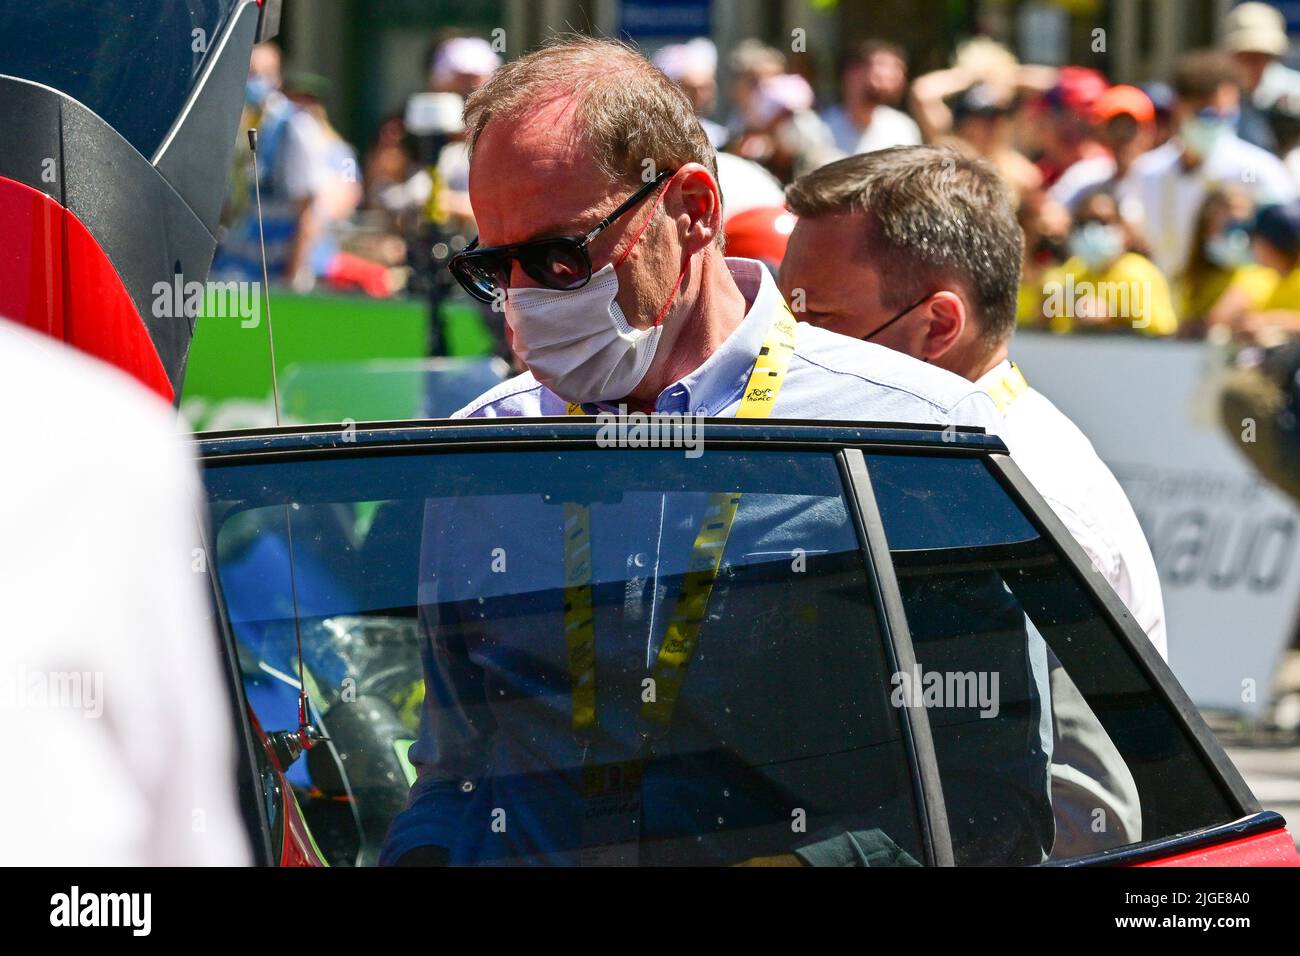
{"x":595,"y":191}
{"x":600,"y":238}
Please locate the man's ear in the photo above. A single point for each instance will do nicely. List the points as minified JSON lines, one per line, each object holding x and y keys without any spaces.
{"x":698,"y":205}
{"x":947,"y":314}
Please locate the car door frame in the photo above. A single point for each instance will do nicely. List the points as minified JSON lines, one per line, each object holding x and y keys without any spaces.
{"x":848,"y":442}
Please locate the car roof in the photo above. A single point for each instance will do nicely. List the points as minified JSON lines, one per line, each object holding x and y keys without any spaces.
{"x":470,"y":431}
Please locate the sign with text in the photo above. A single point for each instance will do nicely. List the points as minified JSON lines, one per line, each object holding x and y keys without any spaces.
{"x":1226,"y":542}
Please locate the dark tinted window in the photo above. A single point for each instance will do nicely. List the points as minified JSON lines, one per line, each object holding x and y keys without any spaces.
{"x":132,"y":62}
{"x":776,"y":735}
{"x":1078,"y":751}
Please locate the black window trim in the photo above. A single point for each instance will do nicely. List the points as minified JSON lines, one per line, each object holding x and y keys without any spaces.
{"x":915,"y":722}
{"x":1148,"y":660}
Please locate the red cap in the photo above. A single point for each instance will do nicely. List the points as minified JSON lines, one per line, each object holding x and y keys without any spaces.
{"x":1119,"y":100}
{"x":1077,"y":89}
{"x":760,"y":233}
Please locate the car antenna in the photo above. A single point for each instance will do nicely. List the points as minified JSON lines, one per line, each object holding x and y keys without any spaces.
{"x":287,"y":744}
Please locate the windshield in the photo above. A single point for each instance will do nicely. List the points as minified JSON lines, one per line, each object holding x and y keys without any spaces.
{"x":132,"y":62}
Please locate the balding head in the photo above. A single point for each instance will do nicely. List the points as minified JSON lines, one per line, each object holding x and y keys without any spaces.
{"x":563,"y":136}
{"x":626,"y":111}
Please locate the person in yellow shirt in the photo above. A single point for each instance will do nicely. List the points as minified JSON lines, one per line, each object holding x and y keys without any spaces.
{"x":1105,"y":286}
{"x":1273,"y":312}
{"x":1221,"y":260}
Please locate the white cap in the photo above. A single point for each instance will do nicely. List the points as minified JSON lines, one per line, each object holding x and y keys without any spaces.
{"x":785,"y":92}
{"x":1255,"y":28}
{"x":680,"y":59}
{"x":463,"y":55}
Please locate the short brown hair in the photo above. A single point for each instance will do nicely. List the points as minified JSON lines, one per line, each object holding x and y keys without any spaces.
{"x":933,"y":214}
{"x":1198,"y":74}
{"x":631,"y":112}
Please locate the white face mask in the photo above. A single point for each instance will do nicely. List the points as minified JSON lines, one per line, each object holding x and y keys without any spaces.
{"x":1202,"y":135}
{"x":578,"y":343}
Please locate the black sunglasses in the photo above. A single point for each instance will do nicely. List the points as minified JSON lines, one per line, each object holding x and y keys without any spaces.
{"x":871,"y":335}
{"x":560,"y":262}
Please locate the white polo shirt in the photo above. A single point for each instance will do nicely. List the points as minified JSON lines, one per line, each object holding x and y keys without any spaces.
{"x":888,"y":127}
{"x":1164,"y":199}
{"x":1061,"y":463}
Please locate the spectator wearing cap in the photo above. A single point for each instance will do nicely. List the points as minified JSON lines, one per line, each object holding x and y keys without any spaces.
{"x":872,"y":80}
{"x":1166,"y":186}
{"x":1124,"y":119}
{"x":1161,"y":95}
{"x":1254,"y":35}
{"x":1276,"y":245}
{"x":978,"y":62}
{"x":969,"y":107}
{"x":458,"y":65}
{"x":461,"y":65}
{"x":694,"y":67}
{"x":1265,"y":391}
{"x":1065,"y":112}
{"x":300,"y":161}
{"x":782,"y":132}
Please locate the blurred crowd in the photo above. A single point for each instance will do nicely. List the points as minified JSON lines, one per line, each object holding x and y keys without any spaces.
{"x":1166,"y":209}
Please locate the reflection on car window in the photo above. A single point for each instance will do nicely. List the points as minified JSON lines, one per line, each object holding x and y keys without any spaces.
{"x":535,"y":641}
{"x":131,"y":62}
{"x":1077,"y":752}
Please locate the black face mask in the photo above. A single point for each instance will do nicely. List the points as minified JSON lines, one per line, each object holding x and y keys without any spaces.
{"x":872,"y":335}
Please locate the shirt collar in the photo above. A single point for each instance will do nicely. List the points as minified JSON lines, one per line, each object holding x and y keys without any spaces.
{"x":722,"y":377}
{"x":993,"y":375}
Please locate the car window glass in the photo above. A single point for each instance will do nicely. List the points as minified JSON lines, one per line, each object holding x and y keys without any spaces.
{"x":776,"y":738}
{"x":1051,"y":741}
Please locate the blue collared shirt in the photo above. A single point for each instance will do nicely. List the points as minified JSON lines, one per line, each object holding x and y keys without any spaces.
{"x":831,"y":377}
{"x":494,"y":732}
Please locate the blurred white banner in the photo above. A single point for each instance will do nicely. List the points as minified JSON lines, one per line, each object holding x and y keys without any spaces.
{"x":1227,"y":544}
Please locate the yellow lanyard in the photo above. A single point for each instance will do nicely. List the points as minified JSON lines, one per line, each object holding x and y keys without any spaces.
{"x":691,"y":607}
{"x":1008,"y":388}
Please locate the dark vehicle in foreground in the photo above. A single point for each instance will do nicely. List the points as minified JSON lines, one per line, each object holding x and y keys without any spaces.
{"x":895,"y":689}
